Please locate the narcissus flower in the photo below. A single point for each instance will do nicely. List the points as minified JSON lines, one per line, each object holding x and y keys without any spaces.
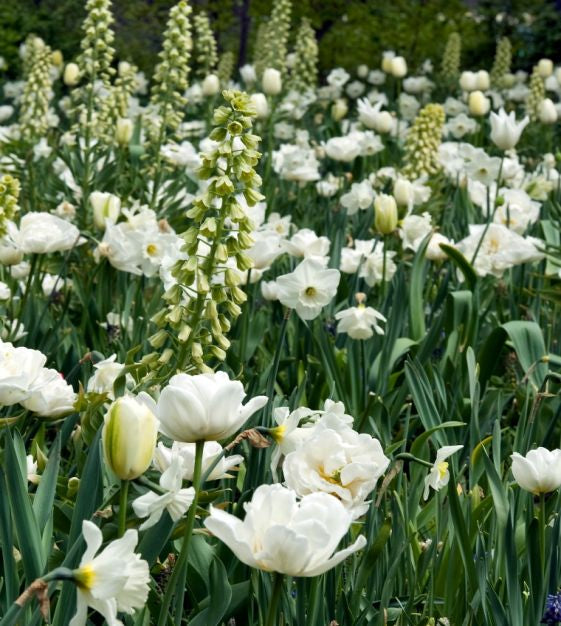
{"x":360,"y":322}
{"x":280,"y":534}
{"x":175,"y":499}
{"x":539,"y":471}
{"x":308,"y":288}
{"x":116,"y":580}
{"x":439,"y":475}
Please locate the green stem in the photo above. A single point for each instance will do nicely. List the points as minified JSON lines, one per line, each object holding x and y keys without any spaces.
{"x":272,"y":613}
{"x":123,"y":498}
{"x":542,"y":531}
{"x":179,"y":574}
{"x":275,"y":367}
{"x":313,"y":604}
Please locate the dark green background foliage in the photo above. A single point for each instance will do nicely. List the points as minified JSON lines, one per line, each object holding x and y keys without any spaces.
{"x":350,"y":31}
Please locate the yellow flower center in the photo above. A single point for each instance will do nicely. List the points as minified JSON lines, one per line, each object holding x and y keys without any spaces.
{"x":85,"y":577}
{"x":310,"y":291}
{"x":442,"y":469}
{"x":151,"y":249}
{"x":277,"y":433}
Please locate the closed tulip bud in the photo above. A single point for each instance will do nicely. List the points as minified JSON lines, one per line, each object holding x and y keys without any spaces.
{"x":468,"y":81}
{"x":398,"y":67}
{"x":123,"y":131}
{"x":545,"y":67}
{"x":482,"y":80}
{"x":509,"y":80}
{"x":387,"y":62}
{"x":362,"y":71}
{"x":478,"y":104}
{"x":211,"y":85}
{"x":106,"y":206}
{"x":548,"y":112}
{"x":71,"y":74}
{"x":123,"y":68}
{"x":10,"y":254}
{"x":403,"y":192}
{"x":339,"y":109}
{"x":385,"y":219}
{"x":129,"y":437}
{"x":56,"y":58}
{"x":271,"y":82}
{"x":384,"y":122}
{"x":259,"y":101}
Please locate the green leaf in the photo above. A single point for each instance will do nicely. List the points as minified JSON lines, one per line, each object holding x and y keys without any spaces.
{"x":417,"y":326}
{"x":462,"y":264}
{"x":498,"y":493}
{"x":44,"y":498}
{"x":26,"y":527}
{"x":155,"y":538}
{"x":9,"y":571}
{"x":220,"y":594}
{"x":527,"y":339}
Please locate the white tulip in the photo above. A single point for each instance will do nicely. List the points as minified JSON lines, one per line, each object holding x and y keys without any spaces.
{"x":342,"y":462}
{"x":403,"y":192}
{"x":19,"y":370}
{"x":205,"y":407}
{"x":339,"y":109}
{"x":398,"y":67}
{"x":545,"y":68}
{"x":129,"y":437}
{"x":505,"y":130}
{"x":259,"y":101}
{"x":106,"y":207}
{"x":482,"y":80}
{"x":211,"y":85}
{"x":116,"y":580}
{"x":123,"y":131}
{"x":468,"y":81}
{"x":281,"y":534}
{"x":71,"y":74}
{"x":385,"y":214}
{"x":51,"y":396}
{"x":539,"y":471}
{"x":40,"y":233}
{"x":478,"y":104}
{"x":271,"y":82}
{"x":547,"y":111}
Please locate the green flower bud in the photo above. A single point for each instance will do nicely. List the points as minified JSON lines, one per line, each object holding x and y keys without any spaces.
{"x":129,"y":437}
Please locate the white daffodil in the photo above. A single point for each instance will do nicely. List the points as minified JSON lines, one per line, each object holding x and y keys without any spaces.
{"x":281,"y":534}
{"x":360,"y":322}
{"x":212,"y":449}
{"x":116,"y":580}
{"x":439,"y":475}
{"x":308,"y":288}
{"x":176,"y":500}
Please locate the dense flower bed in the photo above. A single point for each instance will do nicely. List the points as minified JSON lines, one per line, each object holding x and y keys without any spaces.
{"x":276,"y":351}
